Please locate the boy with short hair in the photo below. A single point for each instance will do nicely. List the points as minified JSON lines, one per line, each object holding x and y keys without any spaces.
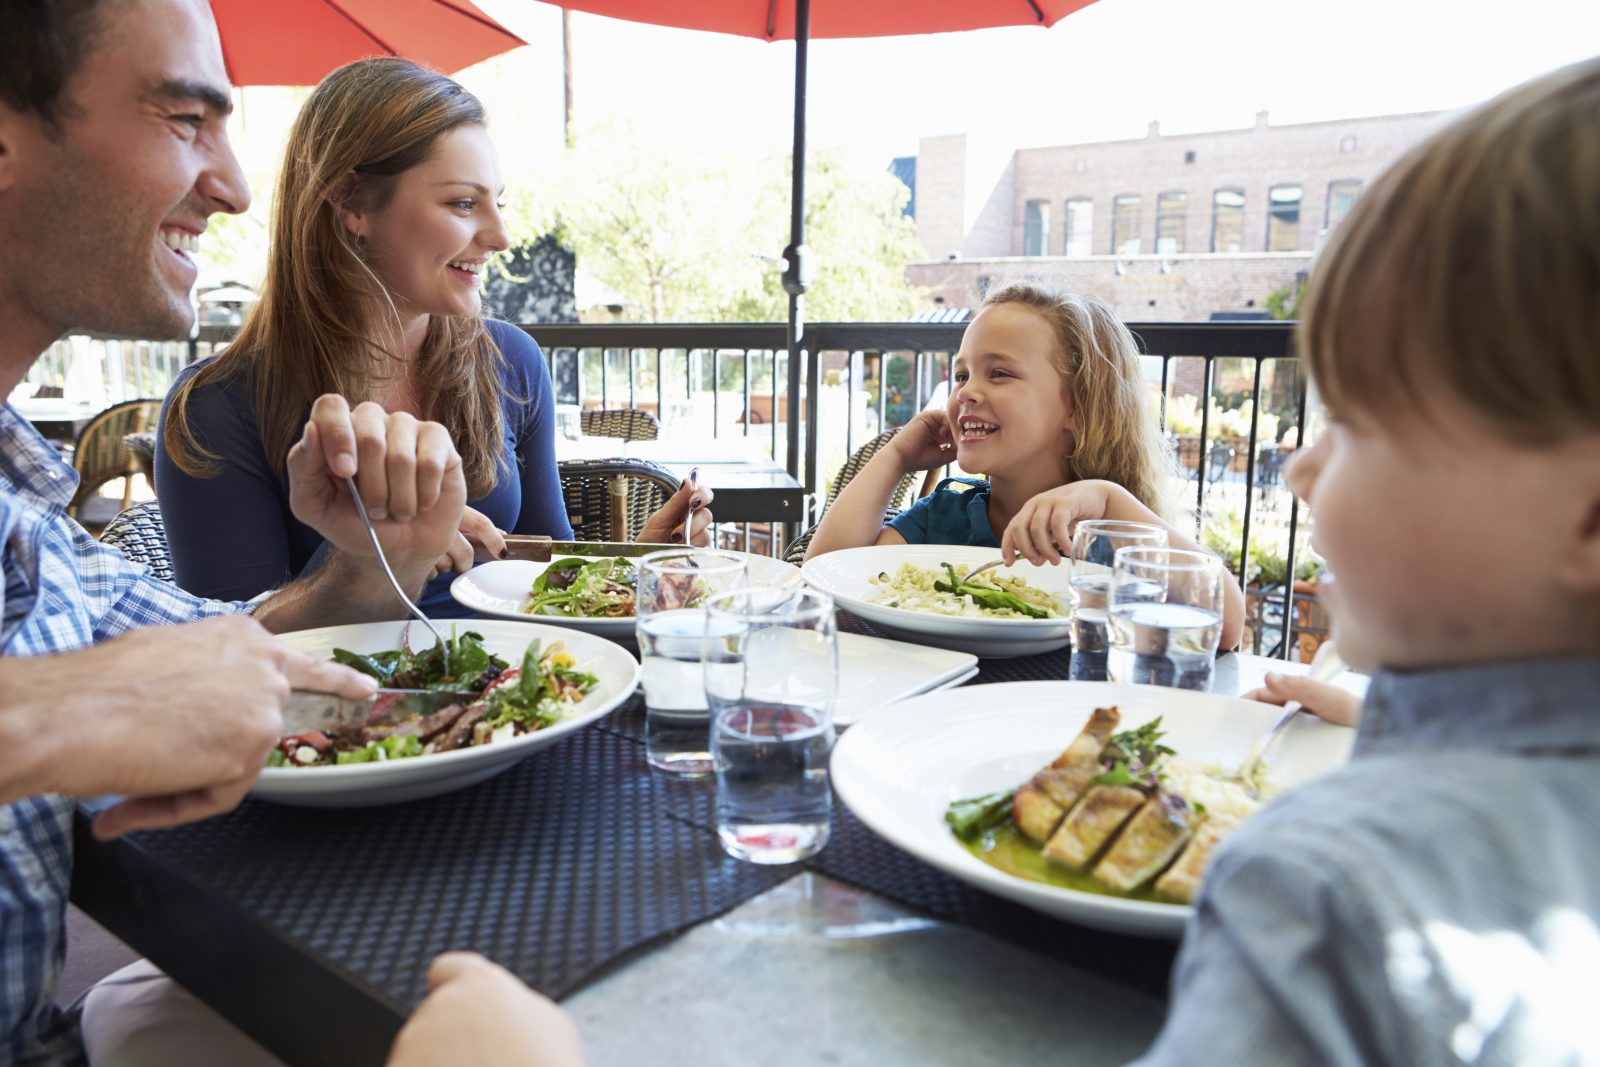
{"x":1438,"y":900}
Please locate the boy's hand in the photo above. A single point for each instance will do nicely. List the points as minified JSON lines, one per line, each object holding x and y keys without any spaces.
{"x":1042,"y":531}
{"x":479,"y":1013}
{"x":925,"y":442}
{"x":1338,"y":706}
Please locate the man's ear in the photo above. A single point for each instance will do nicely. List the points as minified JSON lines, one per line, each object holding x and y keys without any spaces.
{"x":1582,"y":566}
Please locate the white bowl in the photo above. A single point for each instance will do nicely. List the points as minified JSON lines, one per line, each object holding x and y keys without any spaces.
{"x":844,"y":576}
{"x":900,"y":767}
{"x":357,"y":785}
{"x":500,"y":589}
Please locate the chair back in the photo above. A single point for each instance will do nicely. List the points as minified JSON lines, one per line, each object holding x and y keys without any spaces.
{"x":138,"y":533}
{"x":899,"y":499}
{"x":610,"y":499}
{"x":630,"y":424}
{"x":101,"y":456}
{"x":1221,"y":455}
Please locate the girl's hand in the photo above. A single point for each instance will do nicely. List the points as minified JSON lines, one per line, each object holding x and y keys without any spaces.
{"x":476,"y":538}
{"x":1339,"y":706}
{"x":925,"y":442}
{"x":1042,"y":531}
{"x":665,"y":525}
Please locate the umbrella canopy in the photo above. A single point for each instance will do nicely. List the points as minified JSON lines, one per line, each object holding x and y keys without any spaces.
{"x":298,"y":42}
{"x":800,"y":20}
{"x":774,"y":20}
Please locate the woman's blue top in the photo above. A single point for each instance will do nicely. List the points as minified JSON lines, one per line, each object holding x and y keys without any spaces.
{"x":233,"y":536}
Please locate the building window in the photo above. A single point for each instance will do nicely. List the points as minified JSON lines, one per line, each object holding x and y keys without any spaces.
{"x":1125,"y":225}
{"x":1227,"y":220}
{"x":1283,"y":218}
{"x":1341,"y":197}
{"x":1079,"y":228}
{"x":1347,"y":143}
{"x":1036,"y":227}
{"x":1188,"y":157}
{"x":1171,"y":210}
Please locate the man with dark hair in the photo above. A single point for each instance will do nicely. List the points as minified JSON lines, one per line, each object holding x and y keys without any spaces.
{"x":113,"y":154}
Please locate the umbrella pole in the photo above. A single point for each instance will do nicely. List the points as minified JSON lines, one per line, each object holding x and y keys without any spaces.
{"x":797,"y":272}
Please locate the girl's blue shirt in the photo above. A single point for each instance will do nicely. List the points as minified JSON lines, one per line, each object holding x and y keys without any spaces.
{"x":955,"y":513}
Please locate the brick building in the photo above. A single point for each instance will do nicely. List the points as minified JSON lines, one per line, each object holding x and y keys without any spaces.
{"x":1167,"y":228}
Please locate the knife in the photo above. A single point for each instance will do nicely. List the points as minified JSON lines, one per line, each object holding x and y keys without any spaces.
{"x":307,"y":712}
{"x":542,"y":549}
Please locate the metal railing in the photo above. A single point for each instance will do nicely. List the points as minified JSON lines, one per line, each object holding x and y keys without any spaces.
{"x":735,"y":378}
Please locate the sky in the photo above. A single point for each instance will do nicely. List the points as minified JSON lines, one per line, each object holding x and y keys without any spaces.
{"x":1101,"y":74}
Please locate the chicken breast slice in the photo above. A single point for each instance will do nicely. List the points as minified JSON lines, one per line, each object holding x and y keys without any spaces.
{"x":1182,"y":880}
{"x":1086,"y":829}
{"x":1147,"y":843}
{"x":1040,"y":805}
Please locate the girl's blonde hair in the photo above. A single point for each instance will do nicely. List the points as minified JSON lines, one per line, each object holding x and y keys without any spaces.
{"x":312,"y":331}
{"x":1119,"y":436}
{"x":1472,"y":268}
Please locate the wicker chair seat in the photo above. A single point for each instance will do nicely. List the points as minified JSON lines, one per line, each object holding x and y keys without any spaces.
{"x":139,"y":534}
{"x":611,"y":499}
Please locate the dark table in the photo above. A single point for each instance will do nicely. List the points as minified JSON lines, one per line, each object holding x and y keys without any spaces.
{"x":312,"y":929}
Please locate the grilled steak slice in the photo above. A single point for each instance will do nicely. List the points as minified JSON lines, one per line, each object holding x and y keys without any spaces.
{"x":1086,"y":829}
{"x":460,"y":734}
{"x":1040,"y":805}
{"x":423,"y":727}
{"x":1147,"y":843}
{"x":1182,"y":881}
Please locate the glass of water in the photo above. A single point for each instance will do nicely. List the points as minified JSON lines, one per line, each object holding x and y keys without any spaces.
{"x":771,"y":673}
{"x":1166,"y":616}
{"x":1094,"y":544}
{"x":670,"y":623}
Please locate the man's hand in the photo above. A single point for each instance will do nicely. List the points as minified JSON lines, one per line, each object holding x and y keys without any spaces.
{"x":178,"y":719}
{"x":479,"y":1013}
{"x":408,"y":473}
{"x":925,"y":442}
{"x":1330,"y":702}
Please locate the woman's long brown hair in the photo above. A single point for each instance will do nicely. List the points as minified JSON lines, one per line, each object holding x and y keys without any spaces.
{"x":316,"y":328}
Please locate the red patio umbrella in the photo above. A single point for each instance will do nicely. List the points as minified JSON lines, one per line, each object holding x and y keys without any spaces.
{"x":800,"y":20}
{"x":298,"y":42}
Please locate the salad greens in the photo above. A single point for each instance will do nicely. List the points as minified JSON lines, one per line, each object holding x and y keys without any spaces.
{"x":1133,"y":757}
{"x":536,"y":695}
{"x":472,"y":667}
{"x":584,"y":589}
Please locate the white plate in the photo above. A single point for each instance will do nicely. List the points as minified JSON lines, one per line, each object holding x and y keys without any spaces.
{"x":901,"y":767}
{"x":500,"y":588}
{"x":874,"y":672}
{"x":358,"y":785}
{"x":843,"y":575}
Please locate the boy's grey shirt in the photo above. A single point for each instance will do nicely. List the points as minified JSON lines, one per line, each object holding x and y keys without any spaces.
{"x":1437,"y":901}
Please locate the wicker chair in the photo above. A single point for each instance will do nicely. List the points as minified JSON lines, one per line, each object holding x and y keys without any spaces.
{"x":610,"y":499}
{"x":102,"y":456}
{"x":898,"y":500}
{"x":630,"y":424}
{"x":139,"y":534}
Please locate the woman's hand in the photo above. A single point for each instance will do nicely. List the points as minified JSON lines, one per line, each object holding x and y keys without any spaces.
{"x":1042,"y":531}
{"x":665,"y":525}
{"x":925,"y":442}
{"x":1339,"y":706}
{"x":476,"y":538}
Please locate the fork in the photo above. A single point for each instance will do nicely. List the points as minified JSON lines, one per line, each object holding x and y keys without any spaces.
{"x":372,"y":535}
{"x":1325,"y":666}
{"x":993,"y":563}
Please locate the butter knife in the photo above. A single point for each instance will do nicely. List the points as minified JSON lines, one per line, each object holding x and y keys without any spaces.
{"x":543,"y":549}
{"x":307,"y":712}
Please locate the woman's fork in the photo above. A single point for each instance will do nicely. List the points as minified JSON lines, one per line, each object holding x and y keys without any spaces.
{"x":372,"y":535}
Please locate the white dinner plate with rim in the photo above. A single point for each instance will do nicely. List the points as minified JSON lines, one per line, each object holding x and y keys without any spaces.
{"x":500,"y":588}
{"x":358,"y":785}
{"x":844,"y":576}
{"x":874,"y":672}
{"x":902,"y":766}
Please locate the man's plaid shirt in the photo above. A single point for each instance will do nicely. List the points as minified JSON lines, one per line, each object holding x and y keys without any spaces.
{"x":63,"y":591}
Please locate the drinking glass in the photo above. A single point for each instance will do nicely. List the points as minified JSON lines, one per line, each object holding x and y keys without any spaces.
{"x":670,"y":623}
{"x":771,"y":674}
{"x":1094,"y":544}
{"x":1166,"y":616}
